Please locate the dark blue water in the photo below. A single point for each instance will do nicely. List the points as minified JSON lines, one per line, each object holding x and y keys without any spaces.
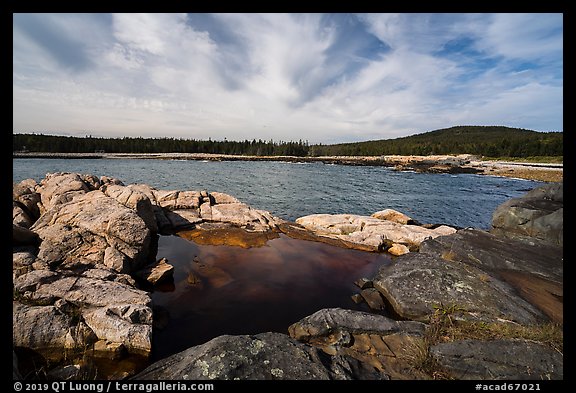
{"x":291,"y":190}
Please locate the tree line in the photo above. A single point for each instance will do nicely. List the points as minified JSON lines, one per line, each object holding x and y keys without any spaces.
{"x":90,"y":144}
{"x":489,"y":141}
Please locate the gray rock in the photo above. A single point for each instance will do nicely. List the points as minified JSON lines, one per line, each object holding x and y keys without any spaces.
{"x":493,"y":253}
{"x":329,"y":320}
{"x":499,"y":360}
{"x":417,"y":283}
{"x":41,"y":328}
{"x":538,"y":215}
{"x":390,"y":346}
{"x":264,"y":356}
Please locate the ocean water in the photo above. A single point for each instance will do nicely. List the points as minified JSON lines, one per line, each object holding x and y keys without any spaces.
{"x":291,"y":190}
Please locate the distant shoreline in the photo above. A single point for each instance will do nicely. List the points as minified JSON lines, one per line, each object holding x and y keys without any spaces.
{"x":464,"y":163}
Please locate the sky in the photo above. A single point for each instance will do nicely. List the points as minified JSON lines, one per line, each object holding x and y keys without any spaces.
{"x":324,"y":78}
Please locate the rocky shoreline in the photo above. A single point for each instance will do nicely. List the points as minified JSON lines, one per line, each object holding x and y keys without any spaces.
{"x":84,"y":259}
{"x":463,"y":163}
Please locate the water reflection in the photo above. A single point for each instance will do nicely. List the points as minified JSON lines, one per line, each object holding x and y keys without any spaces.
{"x":221,"y":289}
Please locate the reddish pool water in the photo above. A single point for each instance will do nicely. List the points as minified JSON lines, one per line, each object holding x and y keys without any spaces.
{"x":233,"y":290}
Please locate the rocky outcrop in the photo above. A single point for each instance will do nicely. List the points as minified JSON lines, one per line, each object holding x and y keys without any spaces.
{"x":535,"y":271}
{"x":77,"y":241}
{"x":416,"y":284}
{"x":499,"y":360}
{"x":378,"y":234}
{"x":386,"y":344}
{"x":491,"y":253}
{"x":80,"y":241}
{"x":77,"y":233}
{"x":265,"y":356}
{"x":536,"y":216}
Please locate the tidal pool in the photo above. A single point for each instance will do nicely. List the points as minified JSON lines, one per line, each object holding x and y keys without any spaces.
{"x":223,"y":289}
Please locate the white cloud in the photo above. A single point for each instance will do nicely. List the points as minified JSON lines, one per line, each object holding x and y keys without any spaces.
{"x":276,"y":75}
{"x":523,"y":36}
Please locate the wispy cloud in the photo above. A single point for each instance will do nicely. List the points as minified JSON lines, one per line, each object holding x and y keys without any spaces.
{"x":324,"y":78}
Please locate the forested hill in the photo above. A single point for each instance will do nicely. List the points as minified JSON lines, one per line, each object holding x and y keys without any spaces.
{"x":490,"y":141}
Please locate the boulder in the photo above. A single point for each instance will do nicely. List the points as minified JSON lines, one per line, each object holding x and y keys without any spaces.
{"x":264,"y":356}
{"x":25,"y":195}
{"x":178,"y":200}
{"x":220,"y":198}
{"x":87,"y":292}
{"x":392,"y":215}
{"x":493,"y":253}
{"x":120,"y":324}
{"x":41,"y":328}
{"x":398,"y":249}
{"x":369,"y":231}
{"x":23,"y":261}
{"x":81,"y":230}
{"x":416,"y":284}
{"x":536,"y":216}
{"x":241,"y":215}
{"x":157,"y":273}
{"x":534,"y":270}
{"x":390,"y":346}
{"x":60,"y":187}
{"x":20,"y":217}
{"x":498,"y":360}
{"x":22,"y":188}
{"x":135,"y":200}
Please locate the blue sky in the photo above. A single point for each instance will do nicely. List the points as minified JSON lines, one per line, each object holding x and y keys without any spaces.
{"x":318,"y":77}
